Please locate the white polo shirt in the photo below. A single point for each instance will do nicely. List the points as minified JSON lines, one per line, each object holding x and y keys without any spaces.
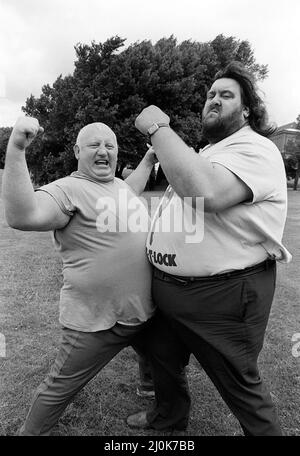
{"x":235,"y":238}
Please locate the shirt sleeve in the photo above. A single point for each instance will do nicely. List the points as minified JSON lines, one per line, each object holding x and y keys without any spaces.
{"x":61,"y":195}
{"x":255,"y":164}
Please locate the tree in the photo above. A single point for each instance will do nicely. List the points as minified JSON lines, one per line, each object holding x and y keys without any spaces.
{"x":228,"y":49}
{"x":112,"y":85}
{"x":4,"y":137}
{"x":292,"y":160}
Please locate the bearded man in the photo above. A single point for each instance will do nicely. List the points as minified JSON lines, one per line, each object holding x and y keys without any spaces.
{"x":214,"y":298}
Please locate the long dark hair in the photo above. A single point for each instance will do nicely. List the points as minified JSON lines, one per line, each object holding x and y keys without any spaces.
{"x":258,"y":116}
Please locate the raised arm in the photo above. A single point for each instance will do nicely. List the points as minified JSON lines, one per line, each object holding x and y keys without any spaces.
{"x":138,"y":178}
{"x":25,"y":209}
{"x":187,"y":172}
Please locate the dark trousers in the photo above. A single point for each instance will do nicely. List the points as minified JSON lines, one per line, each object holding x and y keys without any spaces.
{"x":222,"y":321}
{"x":145,"y":375}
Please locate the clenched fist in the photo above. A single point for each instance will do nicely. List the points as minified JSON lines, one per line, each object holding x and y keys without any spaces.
{"x":150,"y":115}
{"x":24,"y":132}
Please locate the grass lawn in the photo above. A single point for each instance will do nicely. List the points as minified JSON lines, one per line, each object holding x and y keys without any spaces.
{"x":29,"y":292}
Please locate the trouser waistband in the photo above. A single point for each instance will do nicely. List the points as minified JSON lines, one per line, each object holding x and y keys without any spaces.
{"x":263,"y":266}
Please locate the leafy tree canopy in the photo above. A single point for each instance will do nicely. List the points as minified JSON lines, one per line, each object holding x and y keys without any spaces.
{"x":112,"y":85}
{"x":4,"y":137}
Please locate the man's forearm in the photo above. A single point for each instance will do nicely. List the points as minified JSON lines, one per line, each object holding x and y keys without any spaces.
{"x":138,"y":178}
{"x":17,"y":189}
{"x":187,"y":172}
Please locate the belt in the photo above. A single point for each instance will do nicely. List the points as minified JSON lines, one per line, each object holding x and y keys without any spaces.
{"x":239,"y":273}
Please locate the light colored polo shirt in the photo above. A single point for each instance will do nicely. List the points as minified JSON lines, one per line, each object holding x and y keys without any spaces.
{"x":106,"y":274}
{"x":235,"y":238}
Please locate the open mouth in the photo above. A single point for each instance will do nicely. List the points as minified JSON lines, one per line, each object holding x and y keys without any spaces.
{"x":101,"y":162}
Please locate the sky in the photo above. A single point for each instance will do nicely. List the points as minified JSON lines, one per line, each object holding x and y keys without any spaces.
{"x":37,"y":39}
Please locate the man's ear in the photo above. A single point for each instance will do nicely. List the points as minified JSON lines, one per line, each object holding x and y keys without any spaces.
{"x":246,"y":112}
{"x":76,"y":151}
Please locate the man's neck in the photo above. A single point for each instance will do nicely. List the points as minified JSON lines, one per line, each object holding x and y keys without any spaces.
{"x":82,"y":175}
{"x":215,"y":141}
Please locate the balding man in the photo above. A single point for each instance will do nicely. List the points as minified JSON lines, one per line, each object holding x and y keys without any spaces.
{"x":105,"y":300}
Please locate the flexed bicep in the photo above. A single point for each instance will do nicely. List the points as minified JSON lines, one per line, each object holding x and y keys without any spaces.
{"x":48,"y":215}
